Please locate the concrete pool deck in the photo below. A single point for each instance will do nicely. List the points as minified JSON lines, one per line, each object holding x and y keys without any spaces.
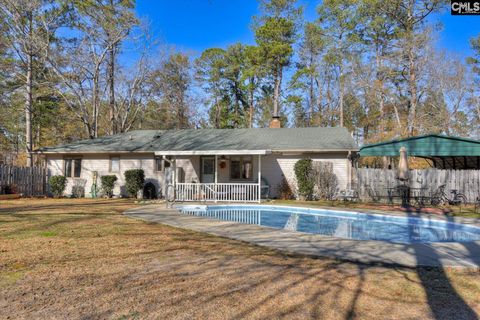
{"x":466,"y":254}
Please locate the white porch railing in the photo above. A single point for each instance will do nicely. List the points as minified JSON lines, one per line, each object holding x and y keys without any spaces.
{"x":231,"y":192}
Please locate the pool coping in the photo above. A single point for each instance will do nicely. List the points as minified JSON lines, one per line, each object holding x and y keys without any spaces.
{"x":446,"y":254}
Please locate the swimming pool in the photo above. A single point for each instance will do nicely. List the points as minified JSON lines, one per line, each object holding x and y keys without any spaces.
{"x":341,"y":224}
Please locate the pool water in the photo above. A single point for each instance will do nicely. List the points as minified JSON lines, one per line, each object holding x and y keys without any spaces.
{"x":341,"y":224}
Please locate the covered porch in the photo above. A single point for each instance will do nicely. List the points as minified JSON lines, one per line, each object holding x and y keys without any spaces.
{"x":215,"y":176}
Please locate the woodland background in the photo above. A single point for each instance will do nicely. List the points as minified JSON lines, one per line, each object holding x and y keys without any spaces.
{"x":369,"y":65}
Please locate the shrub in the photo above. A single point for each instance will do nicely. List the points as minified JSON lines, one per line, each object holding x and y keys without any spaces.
{"x":305,"y":178}
{"x":134,"y":180}
{"x":57,"y":185}
{"x":325,"y":180}
{"x":284,"y":190}
{"x":108,"y":183}
{"x":10,"y":189}
{"x":78,"y":188}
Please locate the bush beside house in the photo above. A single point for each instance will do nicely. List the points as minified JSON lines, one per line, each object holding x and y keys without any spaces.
{"x":305,"y":179}
{"x":108,"y":183}
{"x":57,"y":185}
{"x":78,"y":188}
{"x":315,"y":179}
{"x":284,"y":190}
{"x":326,"y":181}
{"x":134,"y":181}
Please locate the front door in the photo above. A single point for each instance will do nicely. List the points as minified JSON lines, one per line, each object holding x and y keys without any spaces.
{"x":207,"y":169}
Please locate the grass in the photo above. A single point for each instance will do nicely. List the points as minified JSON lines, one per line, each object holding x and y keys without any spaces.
{"x":467,"y":211}
{"x":82,"y":259}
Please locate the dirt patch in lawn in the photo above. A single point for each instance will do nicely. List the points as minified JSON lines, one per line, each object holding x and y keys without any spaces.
{"x":82,"y":259}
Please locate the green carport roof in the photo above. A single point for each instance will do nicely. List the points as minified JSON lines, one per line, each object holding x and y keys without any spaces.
{"x":444,"y":151}
{"x":425,"y":146}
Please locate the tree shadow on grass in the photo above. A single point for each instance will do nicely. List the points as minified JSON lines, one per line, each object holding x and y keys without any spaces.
{"x":62,"y":204}
{"x":443,"y":299}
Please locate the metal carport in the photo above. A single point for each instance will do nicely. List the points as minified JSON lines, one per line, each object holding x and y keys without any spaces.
{"x":444,"y":152}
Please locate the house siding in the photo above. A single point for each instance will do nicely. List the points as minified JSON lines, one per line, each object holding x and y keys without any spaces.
{"x":190,"y":167}
{"x":273,"y":166}
{"x":101,"y":164}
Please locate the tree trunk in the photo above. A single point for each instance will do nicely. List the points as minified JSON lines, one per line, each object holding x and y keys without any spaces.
{"x":276,"y":91}
{"x":341,"y":96}
{"x":217,"y":113}
{"x":412,"y":83}
{"x":111,"y":81}
{"x":329,"y":105}
{"x":412,"y":76}
{"x":95,"y":107}
{"x":236,"y":122}
{"x":28,"y":111}
{"x":311,"y":103}
{"x":397,"y":117}
{"x":251,"y":106}
{"x":319,"y":102}
{"x":379,"y":89}
{"x":28,"y":95}
{"x":182,"y":117}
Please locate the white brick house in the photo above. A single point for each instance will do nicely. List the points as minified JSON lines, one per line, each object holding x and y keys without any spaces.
{"x":214,"y":164}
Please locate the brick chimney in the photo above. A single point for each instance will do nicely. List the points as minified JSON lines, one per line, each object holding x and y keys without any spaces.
{"x":275,"y":123}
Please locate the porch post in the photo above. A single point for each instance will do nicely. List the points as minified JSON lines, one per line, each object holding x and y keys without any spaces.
{"x":174,"y":178}
{"x":174,"y":173}
{"x":216,"y":177}
{"x":259,"y":178}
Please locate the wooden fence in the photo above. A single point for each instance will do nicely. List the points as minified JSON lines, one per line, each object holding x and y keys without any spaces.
{"x":378,"y":180}
{"x":28,"y":181}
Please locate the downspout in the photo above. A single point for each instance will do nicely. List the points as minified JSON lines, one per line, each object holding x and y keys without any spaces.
{"x":350,"y":164}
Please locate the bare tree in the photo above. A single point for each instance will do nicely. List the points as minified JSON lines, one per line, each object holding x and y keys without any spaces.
{"x":116,"y":19}
{"x":79,"y":65}
{"x":326,"y":181}
{"x":133,"y":90}
{"x":79,"y":72}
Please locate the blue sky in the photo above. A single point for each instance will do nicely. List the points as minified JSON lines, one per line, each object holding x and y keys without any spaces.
{"x":195,"y":25}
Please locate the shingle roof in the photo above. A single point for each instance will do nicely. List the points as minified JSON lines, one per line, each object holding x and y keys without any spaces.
{"x":284,"y":139}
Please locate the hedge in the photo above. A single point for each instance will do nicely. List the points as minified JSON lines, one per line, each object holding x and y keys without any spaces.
{"x":305,"y":178}
{"x":134,"y":180}
{"x":108,"y":183}
{"x":57,"y":185}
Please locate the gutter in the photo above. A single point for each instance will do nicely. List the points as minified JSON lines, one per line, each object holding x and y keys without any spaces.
{"x":314,"y":150}
{"x":89,"y":152}
{"x":211,"y":152}
{"x":202,"y":152}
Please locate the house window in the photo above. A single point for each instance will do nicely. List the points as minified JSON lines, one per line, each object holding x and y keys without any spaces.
{"x":241,"y":168}
{"x":73,"y":168}
{"x":115,"y":164}
{"x":161,"y":164}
